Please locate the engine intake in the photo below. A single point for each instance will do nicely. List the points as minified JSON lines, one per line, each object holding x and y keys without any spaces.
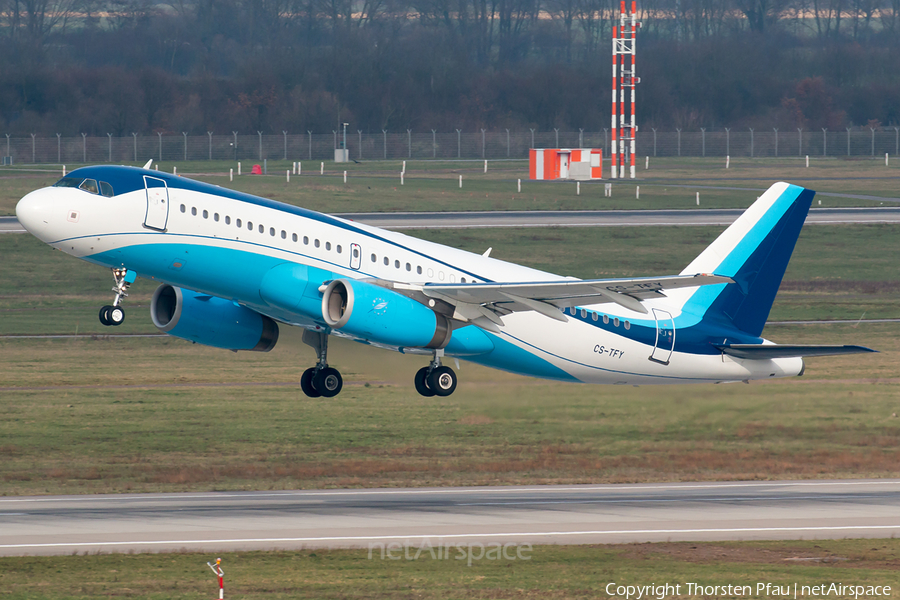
{"x":384,"y":316}
{"x":211,"y":321}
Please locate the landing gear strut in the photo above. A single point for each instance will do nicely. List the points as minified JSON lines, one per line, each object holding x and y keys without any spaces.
{"x":436,"y":379}
{"x":114,"y":314}
{"x":320,"y":380}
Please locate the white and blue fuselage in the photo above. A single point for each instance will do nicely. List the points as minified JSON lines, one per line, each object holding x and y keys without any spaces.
{"x":277,"y":260}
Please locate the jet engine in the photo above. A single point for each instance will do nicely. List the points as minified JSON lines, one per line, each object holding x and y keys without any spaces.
{"x":211,"y":321}
{"x":382,"y":315}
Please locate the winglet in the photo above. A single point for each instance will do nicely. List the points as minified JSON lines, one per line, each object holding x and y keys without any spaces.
{"x":149,"y":162}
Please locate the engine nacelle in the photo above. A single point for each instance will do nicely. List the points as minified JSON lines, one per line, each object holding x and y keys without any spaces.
{"x":211,"y":321}
{"x":383,"y":316}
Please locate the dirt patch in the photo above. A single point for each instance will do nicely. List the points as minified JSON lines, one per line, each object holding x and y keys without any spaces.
{"x":881,"y":554}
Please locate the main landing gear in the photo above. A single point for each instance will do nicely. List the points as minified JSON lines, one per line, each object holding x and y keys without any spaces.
{"x":114,"y":314}
{"x":320,"y":380}
{"x":435,"y":379}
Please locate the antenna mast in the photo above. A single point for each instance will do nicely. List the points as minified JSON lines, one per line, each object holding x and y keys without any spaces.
{"x":623,"y":74}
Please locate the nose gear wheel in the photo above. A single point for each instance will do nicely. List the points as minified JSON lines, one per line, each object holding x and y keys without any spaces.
{"x":114,"y":314}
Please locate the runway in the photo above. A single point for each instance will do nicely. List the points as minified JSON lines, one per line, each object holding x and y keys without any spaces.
{"x":581,"y":218}
{"x":577,"y":514}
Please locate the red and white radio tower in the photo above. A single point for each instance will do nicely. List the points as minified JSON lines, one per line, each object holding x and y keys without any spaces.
{"x":623,"y":77}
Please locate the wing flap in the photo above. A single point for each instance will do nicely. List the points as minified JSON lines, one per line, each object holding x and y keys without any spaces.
{"x":769,"y":351}
{"x":566,"y":293}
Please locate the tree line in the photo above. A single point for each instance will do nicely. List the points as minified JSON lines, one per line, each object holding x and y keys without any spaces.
{"x":122,"y":66}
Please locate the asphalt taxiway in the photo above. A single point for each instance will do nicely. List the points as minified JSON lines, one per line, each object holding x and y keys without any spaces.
{"x":575,"y":514}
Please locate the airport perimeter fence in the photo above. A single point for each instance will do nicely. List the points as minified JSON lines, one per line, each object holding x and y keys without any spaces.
{"x":493,"y":145}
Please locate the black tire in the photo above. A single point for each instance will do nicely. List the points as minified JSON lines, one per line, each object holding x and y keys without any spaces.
{"x":328,"y":382}
{"x":306,"y":383}
{"x":104,"y":315}
{"x":442,"y":381}
{"x":421,"y":381}
{"x":115,"y":315}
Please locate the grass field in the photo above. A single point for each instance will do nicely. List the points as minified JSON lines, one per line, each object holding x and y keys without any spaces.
{"x":138,"y":414}
{"x":433,"y":185}
{"x":143,"y":414}
{"x":551,"y":572}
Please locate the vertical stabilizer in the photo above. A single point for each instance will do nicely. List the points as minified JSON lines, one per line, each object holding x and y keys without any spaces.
{"x":754,"y":251}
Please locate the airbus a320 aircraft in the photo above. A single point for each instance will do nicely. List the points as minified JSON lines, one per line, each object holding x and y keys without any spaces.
{"x":232,"y":267}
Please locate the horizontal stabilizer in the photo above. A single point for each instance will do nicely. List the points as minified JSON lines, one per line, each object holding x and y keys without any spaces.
{"x":767,"y":351}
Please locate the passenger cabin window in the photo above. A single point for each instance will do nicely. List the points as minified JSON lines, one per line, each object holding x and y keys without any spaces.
{"x":227,"y":220}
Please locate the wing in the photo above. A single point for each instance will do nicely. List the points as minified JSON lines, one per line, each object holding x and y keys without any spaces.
{"x":480,"y":302}
{"x":767,"y":351}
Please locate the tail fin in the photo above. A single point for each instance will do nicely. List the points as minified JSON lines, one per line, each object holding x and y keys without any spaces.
{"x":754,"y":251}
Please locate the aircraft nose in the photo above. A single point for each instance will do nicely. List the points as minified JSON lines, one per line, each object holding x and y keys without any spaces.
{"x":34,"y":212}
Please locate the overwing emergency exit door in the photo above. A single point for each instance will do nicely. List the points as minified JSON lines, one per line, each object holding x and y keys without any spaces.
{"x":157,"y":214}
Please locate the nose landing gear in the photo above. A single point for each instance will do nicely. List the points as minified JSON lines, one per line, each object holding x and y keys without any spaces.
{"x":114,"y":314}
{"x":320,"y":380}
{"x":436,"y":379}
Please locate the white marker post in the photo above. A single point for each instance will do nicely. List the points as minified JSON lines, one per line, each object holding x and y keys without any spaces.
{"x":345,"y":176}
{"x":401,"y":177}
{"x":519,"y":186}
{"x":288,"y":176}
{"x":647,"y":164}
{"x":807,"y":161}
{"x":577,"y":188}
{"x":321,"y":168}
{"x":299,"y":168}
{"x":230,"y":174}
{"x":404,"y":167}
{"x":727,"y":162}
{"x":239,"y":168}
{"x":637,"y":192}
{"x":217,"y":569}
{"x":64,"y":170}
{"x":175,"y":171}
{"x":485,"y":166}
{"x":698,"y":198}
{"x":460,"y":182}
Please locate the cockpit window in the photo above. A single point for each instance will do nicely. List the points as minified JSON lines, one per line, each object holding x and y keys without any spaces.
{"x":70,"y":182}
{"x":89,"y":185}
